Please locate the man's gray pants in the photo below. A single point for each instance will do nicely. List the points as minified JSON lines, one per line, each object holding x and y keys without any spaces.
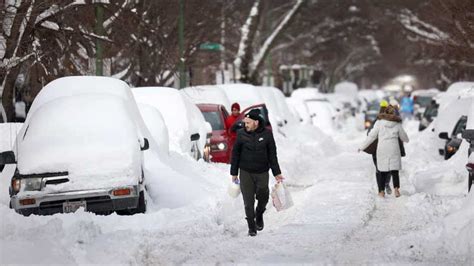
{"x":254,"y":186}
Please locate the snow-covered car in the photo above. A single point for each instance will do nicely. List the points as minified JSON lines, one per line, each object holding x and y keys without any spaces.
{"x":81,"y":145}
{"x":422,"y":99}
{"x":371,"y":114}
{"x":155,"y":123}
{"x":347,"y":93}
{"x":188,"y":131}
{"x":468,"y":135}
{"x":322,"y":115}
{"x":453,"y":104}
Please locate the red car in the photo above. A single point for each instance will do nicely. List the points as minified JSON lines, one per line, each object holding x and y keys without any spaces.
{"x":222,"y":140}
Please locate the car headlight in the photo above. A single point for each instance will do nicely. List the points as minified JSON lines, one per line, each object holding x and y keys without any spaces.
{"x":221,"y":146}
{"x":451,"y":149}
{"x":16,"y":185}
{"x":30,"y":184}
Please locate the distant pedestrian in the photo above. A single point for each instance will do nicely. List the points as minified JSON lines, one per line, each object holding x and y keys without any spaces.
{"x":407,"y":107}
{"x":254,"y":154}
{"x":235,"y":112}
{"x":388,"y":189}
{"x":387,"y":131}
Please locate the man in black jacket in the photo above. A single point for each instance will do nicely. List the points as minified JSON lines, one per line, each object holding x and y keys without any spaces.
{"x":254,"y":154}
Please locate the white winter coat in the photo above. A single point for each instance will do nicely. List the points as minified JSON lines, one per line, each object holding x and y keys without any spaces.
{"x":388,"y":149}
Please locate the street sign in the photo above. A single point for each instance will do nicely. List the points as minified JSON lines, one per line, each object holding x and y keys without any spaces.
{"x":210,"y":46}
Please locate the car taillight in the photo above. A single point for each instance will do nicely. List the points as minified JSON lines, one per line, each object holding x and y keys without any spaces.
{"x":16,"y":185}
{"x":122,"y":192}
{"x":470,"y":166}
{"x":27,"y":201}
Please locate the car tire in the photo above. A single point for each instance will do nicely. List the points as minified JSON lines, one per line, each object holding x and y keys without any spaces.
{"x":141,"y":208}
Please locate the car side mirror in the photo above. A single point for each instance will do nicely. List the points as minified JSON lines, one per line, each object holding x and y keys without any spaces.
{"x":146,"y":145}
{"x":7,"y":157}
{"x":443,"y":135}
{"x":468,"y":134}
{"x":195,"y":137}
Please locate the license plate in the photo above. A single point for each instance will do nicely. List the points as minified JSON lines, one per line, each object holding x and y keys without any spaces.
{"x":73,"y":206}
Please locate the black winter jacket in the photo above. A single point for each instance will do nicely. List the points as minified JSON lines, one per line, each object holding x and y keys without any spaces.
{"x":254,"y":152}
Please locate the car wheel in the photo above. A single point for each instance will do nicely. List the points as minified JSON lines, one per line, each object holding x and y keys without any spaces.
{"x":141,"y":203}
{"x":141,"y":207}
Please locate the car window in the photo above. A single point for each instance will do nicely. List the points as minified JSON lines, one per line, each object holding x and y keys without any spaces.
{"x":460,"y":125}
{"x":263,"y":111}
{"x":423,"y":101}
{"x":214,"y":119}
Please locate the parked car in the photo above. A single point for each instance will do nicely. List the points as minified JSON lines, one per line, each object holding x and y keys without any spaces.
{"x":371,"y":114}
{"x":454,"y":141}
{"x":430,"y":113}
{"x":322,"y":115}
{"x":82,"y":145}
{"x":188,"y":131}
{"x":452,"y":105}
{"x":422,"y":99}
{"x":468,"y":135}
{"x":221,"y":140}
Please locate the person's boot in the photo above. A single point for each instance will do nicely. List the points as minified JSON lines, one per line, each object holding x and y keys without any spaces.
{"x":388,"y":189}
{"x":259,"y":220}
{"x":397,"y":192}
{"x":252,"y":227}
{"x":382,"y":194}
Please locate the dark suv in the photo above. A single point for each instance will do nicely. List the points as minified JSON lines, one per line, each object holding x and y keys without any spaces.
{"x":428,"y":116}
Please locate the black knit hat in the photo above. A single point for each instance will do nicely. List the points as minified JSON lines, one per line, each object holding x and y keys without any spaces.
{"x":255,"y":114}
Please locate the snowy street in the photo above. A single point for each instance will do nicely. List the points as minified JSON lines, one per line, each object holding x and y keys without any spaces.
{"x":337,"y":219}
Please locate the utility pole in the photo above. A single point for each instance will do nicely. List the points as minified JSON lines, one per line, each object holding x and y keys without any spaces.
{"x":182,"y":67}
{"x":99,"y":30}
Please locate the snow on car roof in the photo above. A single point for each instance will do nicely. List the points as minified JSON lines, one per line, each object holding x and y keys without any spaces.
{"x":244,"y":94}
{"x":207,"y":94}
{"x":84,"y":135}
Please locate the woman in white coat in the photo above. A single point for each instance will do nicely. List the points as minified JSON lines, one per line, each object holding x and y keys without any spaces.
{"x":387,"y":130}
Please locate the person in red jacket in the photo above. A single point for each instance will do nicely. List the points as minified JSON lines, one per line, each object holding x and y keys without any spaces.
{"x":229,"y":122}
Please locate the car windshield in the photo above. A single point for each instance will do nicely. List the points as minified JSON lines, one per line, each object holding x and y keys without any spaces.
{"x":423,"y":101}
{"x":431,"y":111}
{"x":460,"y":126}
{"x":214,"y":119}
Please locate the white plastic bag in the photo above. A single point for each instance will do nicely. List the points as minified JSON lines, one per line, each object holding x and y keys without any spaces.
{"x":234,"y":189}
{"x":281,"y":197}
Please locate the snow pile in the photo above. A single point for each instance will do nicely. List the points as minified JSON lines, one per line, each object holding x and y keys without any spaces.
{"x":459,"y":229}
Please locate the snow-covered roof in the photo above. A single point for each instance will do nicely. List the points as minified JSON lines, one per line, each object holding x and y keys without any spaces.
{"x":207,"y":94}
{"x":244,"y":94}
